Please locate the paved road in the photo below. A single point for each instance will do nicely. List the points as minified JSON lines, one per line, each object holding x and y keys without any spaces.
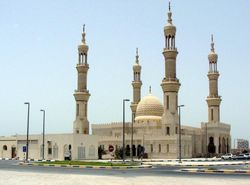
{"x":157,"y":172}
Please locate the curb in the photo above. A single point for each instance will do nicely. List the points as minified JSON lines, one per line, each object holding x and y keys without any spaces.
{"x":41,"y":160}
{"x":8,"y":159}
{"x":198,"y":165}
{"x":185,"y":160}
{"x":247,"y":172}
{"x":33,"y":160}
{"x":86,"y":167}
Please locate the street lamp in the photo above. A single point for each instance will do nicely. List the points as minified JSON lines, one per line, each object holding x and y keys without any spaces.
{"x":179,"y":108}
{"x":132,"y":130}
{"x":206,"y":140}
{"x":27,"y":140}
{"x":123,"y":130}
{"x":43,"y":128}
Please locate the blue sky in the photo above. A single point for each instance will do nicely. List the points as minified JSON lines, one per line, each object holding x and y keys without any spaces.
{"x":39,"y":53}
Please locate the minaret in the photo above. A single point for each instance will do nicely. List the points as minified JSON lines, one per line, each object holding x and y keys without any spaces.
{"x":136,"y":83}
{"x":81,"y":123}
{"x":170,"y":84}
{"x":213,"y":100}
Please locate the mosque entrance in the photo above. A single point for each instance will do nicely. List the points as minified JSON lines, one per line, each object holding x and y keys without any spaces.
{"x":223,"y":145}
{"x":134,"y":150}
{"x":140,"y":151}
{"x":127,"y":150}
{"x":211,"y":146}
{"x":227,"y":146}
{"x":13,"y":152}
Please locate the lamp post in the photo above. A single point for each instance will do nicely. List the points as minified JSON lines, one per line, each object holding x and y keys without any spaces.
{"x":27,"y":140}
{"x":132,"y":136}
{"x":179,"y":108}
{"x":206,"y":141}
{"x":43,"y":129}
{"x":123,"y":131}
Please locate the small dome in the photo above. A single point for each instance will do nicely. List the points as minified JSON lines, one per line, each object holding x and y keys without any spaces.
{"x":169,"y":29}
{"x":137,"y":67}
{"x":212,"y":57}
{"x":149,"y":108}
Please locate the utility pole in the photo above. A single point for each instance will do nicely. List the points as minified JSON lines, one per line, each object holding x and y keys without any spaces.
{"x":27,"y":139}
{"x":43,"y":129}
{"x":123,"y":130}
{"x":179,"y":108}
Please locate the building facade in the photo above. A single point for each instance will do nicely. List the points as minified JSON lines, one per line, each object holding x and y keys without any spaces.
{"x":242,"y":144}
{"x":154,"y":130}
{"x":155,"y":126}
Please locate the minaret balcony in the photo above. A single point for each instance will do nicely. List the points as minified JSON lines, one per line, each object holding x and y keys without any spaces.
{"x":170,"y":85}
{"x":82,"y":68}
{"x":213,"y":75}
{"x":171,"y":79}
{"x":81,"y":96}
{"x":170,"y":53}
{"x":213,"y":101}
{"x":133,"y":107}
{"x":136,"y":84}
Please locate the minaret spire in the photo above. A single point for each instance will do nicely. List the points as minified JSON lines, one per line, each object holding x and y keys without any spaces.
{"x":150,"y":89}
{"x":81,"y":123}
{"x":137,"y":56}
{"x":212,"y":43}
{"x":83,"y":28}
{"x":169,"y":13}
{"x":83,"y":34}
{"x":213,"y":99}
{"x":170,"y":83}
{"x":136,"y":83}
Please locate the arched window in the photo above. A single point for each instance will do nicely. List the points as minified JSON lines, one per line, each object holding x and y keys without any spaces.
{"x":5,"y":147}
{"x":167,"y":131}
{"x":212,"y":114}
{"x":55,"y":151}
{"x":151,"y":148}
{"x":167,"y":102}
{"x":49,"y":147}
{"x":167,"y":148}
{"x":77,"y":109}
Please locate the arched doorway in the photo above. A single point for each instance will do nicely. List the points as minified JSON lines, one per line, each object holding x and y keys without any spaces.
{"x":223,"y":145}
{"x":211,"y":146}
{"x":66,"y":152}
{"x":13,"y":152}
{"x":138,"y":150}
{"x":219,"y":145}
{"x":127,"y":150}
{"x":227,"y":146}
{"x":55,"y":151}
{"x":133,"y":150}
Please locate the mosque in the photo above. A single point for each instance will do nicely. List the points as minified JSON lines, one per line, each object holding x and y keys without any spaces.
{"x":154,"y":130}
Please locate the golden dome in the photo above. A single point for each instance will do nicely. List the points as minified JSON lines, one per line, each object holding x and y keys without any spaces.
{"x":169,"y":29}
{"x":149,"y":108}
{"x":137,"y":67}
{"x":212,"y":57}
